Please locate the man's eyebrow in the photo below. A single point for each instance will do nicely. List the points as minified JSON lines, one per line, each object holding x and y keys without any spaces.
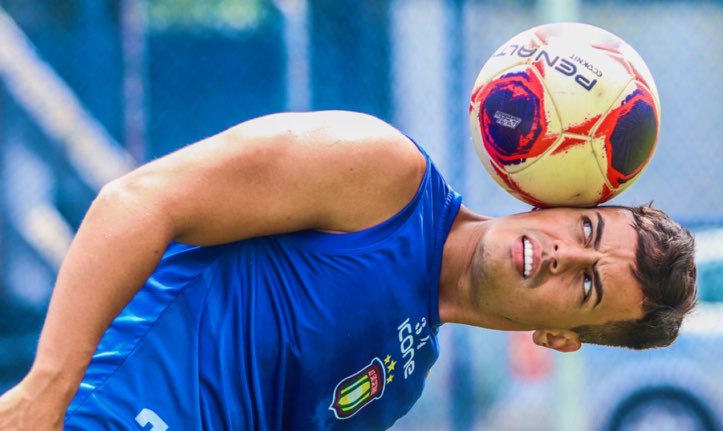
{"x":597,"y":280}
{"x":597,"y":283}
{"x":599,"y":230}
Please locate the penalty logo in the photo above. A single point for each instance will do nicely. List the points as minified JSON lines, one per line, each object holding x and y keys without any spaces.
{"x":361,"y":388}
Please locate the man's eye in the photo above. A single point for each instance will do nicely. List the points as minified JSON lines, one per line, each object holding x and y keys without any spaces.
{"x":587,"y":229}
{"x":586,"y":287}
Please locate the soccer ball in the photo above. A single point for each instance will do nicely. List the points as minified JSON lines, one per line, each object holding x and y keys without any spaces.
{"x":565,"y":114}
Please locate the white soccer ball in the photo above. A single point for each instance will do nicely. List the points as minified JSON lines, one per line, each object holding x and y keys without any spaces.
{"x":565,"y":114}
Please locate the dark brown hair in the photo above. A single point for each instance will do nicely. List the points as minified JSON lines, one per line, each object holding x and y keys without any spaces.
{"x":665,"y":267}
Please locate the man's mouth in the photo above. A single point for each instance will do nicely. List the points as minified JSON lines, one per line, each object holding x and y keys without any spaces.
{"x":528,"y":251}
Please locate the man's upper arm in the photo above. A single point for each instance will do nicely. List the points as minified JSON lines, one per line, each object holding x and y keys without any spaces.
{"x":336,"y":171}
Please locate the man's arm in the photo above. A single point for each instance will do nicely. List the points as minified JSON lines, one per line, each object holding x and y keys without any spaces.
{"x":334,"y":171}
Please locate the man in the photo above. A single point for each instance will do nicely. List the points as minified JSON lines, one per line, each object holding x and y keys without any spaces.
{"x":293,"y":272}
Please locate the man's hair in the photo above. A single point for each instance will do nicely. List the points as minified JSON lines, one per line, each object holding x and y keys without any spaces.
{"x":665,"y":267}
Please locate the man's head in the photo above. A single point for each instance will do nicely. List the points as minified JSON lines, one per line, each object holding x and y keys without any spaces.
{"x":666,"y":270}
{"x":606,"y":275}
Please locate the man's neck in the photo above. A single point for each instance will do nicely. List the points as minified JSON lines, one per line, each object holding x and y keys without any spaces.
{"x":459,"y":250}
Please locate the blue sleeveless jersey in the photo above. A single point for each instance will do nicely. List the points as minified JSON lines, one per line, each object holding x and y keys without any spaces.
{"x":299,"y":331}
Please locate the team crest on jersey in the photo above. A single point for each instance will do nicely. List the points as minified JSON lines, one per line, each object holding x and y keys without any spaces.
{"x":361,"y":388}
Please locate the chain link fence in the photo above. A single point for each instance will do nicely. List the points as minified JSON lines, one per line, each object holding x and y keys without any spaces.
{"x":91,"y":88}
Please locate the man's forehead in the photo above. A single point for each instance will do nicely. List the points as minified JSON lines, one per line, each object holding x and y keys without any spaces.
{"x":624,"y":293}
{"x":620,"y":245}
{"x":616,"y":218}
{"x":617,"y":227}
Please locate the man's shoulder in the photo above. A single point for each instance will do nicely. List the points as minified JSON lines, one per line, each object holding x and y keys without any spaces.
{"x":374,"y":169}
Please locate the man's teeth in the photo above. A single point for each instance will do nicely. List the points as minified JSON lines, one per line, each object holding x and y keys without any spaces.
{"x":527,"y":257}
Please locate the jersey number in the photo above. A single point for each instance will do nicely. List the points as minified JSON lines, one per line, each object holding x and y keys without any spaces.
{"x":148,"y":416}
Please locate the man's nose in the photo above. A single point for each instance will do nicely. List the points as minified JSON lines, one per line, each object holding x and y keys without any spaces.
{"x":569,"y":257}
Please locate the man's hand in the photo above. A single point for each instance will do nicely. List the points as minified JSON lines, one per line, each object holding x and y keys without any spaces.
{"x":30,"y":406}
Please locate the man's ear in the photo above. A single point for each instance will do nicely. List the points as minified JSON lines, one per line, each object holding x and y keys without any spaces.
{"x":561,"y":340}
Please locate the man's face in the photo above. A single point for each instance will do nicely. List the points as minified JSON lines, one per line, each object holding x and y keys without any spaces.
{"x":558,"y":268}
